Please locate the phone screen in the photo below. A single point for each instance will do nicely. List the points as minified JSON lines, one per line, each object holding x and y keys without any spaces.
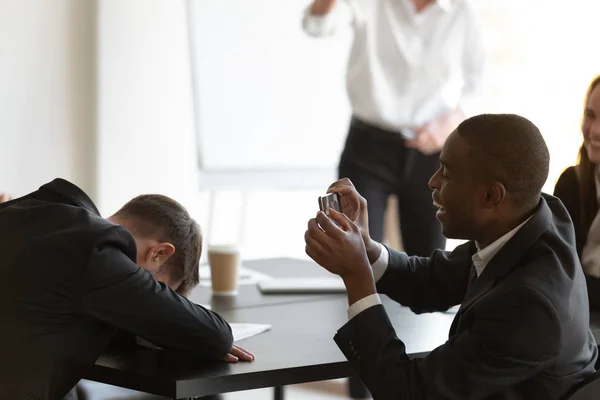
{"x":331,"y":200}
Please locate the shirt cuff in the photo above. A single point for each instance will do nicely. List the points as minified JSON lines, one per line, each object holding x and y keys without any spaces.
{"x":362,"y":305}
{"x":322,"y":25}
{"x":381,"y":264}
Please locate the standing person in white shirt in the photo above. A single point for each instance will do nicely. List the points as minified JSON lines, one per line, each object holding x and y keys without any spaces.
{"x":414,"y":73}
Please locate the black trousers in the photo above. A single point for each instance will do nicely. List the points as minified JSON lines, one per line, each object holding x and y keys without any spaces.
{"x":379,"y":165}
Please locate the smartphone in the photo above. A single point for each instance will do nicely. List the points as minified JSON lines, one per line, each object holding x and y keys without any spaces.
{"x":332,"y":200}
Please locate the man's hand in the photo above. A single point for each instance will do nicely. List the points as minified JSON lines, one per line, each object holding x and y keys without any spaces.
{"x":238,"y":354}
{"x":341,"y":251}
{"x":4,"y":197}
{"x":354,"y":206}
{"x":431,"y":137}
{"x":322,"y":7}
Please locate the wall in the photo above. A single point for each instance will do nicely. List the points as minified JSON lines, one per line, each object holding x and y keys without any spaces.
{"x":47,"y":59}
{"x":146,"y":132}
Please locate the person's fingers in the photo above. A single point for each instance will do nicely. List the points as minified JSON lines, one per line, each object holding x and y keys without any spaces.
{"x":315,"y":230}
{"x":313,"y":253}
{"x":343,"y":182}
{"x":430,"y":151}
{"x":344,"y":222}
{"x":426,"y":127}
{"x":315,"y":238}
{"x":341,"y":190}
{"x":243,"y":349}
{"x":424,"y":142}
{"x":351,"y":205}
{"x":328,"y":226}
{"x":345,"y":191}
{"x":230,"y":358}
{"x":430,"y":147}
{"x":241,"y":353}
{"x":424,"y":138}
{"x":411,"y":144}
{"x":312,"y":242}
{"x":416,"y":142}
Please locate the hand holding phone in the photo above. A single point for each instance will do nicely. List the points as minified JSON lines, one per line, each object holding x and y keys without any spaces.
{"x":327,"y":202}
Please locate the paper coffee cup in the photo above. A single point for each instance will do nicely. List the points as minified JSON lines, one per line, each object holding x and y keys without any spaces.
{"x":224,"y":261}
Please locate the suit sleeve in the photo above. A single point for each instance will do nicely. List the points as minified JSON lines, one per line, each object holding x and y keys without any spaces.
{"x":119,"y":292}
{"x":512,"y":339}
{"x":427,"y":284}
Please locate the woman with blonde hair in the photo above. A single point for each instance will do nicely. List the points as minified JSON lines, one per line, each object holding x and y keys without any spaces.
{"x":579,"y":189}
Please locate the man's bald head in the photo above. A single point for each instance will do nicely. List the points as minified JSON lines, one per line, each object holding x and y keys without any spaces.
{"x":509,"y":149}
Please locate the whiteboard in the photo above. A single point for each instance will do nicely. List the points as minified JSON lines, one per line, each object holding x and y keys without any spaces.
{"x":267,"y":96}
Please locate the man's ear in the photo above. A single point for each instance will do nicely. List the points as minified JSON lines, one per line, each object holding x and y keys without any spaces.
{"x":161,"y":252}
{"x":495,"y":195}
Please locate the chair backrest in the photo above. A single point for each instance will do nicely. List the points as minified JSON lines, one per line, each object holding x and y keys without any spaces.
{"x":590,"y":390}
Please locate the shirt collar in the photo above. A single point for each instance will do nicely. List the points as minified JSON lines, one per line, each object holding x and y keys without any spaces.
{"x":484,"y":256}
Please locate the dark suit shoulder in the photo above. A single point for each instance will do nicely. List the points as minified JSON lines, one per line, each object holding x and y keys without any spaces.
{"x":567,"y":185}
{"x":551,"y":265}
{"x":567,"y":190}
{"x":567,"y":178}
{"x":62,"y":191}
{"x":117,"y":237}
{"x":55,"y":230}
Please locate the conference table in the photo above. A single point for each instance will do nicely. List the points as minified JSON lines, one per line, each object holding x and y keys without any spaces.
{"x":298,"y":348}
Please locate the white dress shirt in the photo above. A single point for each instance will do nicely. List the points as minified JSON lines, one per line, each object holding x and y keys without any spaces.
{"x":407,"y":68}
{"x":483,"y":256}
{"x":590,"y":256}
{"x":480,"y":260}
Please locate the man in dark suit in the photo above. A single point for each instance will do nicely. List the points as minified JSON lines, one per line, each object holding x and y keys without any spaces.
{"x":70,"y":281}
{"x":522,"y":331}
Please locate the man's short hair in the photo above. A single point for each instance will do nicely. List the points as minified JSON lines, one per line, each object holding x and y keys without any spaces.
{"x":510,"y":149}
{"x":162,"y":218}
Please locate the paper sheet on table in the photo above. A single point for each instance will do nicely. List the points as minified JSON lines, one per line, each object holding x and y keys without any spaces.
{"x":244,"y":331}
{"x":247,"y":276}
{"x":240,"y":332}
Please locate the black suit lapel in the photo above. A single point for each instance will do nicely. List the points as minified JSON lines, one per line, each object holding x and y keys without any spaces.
{"x":472,"y":279}
{"x":508,"y":257}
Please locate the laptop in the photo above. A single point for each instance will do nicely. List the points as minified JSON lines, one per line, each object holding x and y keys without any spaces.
{"x":302,"y":285}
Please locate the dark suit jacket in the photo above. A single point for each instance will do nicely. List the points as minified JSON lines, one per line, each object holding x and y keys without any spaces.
{"x":567,"y":190}
{"x":522,"y":331}
{"x":69,"y":281}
